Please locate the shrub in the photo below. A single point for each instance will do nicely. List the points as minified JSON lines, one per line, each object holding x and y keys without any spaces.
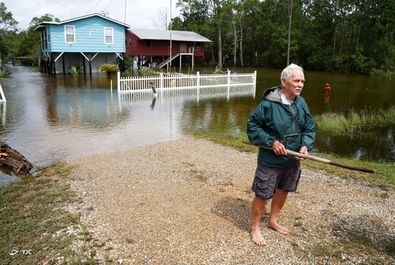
{"x":4,"y":74}
{"x":74,"y":71}
{"x":108,"y":67}
{"x":148,"y":72}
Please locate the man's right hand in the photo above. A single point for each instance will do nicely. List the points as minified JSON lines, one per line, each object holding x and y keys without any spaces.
{"x":279,"y":148}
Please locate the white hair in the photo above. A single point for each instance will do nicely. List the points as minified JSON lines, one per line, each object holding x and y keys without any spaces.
{"x":287,"y":73}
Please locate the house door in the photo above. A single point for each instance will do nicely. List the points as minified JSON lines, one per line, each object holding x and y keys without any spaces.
{"x":183,"y":47}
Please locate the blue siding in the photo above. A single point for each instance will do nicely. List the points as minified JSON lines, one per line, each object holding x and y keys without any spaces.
{"x":89,"y":36}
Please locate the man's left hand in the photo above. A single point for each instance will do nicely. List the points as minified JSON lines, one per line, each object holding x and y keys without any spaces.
{"x":302,"y":150}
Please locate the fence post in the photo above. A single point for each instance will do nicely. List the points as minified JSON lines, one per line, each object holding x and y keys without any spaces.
{"x":254,"y":77}
{"x":228,"y":82}
{"x":197,"y":85}
{"x":119,"y":81}
{"x":3,"y":99}
{"x":161,"y":84}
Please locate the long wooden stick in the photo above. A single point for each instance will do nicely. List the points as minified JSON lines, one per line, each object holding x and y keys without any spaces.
{"x":322,"y":160}
{"x":327,"y":161}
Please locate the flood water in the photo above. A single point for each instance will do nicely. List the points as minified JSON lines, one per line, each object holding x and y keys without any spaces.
{"x":51,"y":118}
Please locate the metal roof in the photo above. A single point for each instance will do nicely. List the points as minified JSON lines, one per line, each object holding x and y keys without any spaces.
{"x":79,"y":18}
{"x":162,"y":34}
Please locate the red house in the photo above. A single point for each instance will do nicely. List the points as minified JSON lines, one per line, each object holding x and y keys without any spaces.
{"x":155,"y":47}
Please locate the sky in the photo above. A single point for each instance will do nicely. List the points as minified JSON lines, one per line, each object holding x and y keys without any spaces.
{"x":139,"y":13}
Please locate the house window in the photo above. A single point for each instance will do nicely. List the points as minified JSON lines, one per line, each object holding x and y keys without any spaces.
{"x":69,"y":33}
{"x":108,"y":35}
{"x":148,"y":43}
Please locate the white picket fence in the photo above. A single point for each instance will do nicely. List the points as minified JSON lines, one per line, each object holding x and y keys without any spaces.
{"x":2,"y":96}
{"x":182,"y":83}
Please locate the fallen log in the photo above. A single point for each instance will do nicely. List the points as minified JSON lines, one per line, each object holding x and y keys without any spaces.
{"x":13,"y":160}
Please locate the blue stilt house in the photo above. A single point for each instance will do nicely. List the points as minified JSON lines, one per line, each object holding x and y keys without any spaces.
{"x":84,"y":43}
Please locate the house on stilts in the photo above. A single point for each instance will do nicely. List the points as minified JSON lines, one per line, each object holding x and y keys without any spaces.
{"x":85,"y":43}
{"x":161,"y":48}
{"x":82,"y":43}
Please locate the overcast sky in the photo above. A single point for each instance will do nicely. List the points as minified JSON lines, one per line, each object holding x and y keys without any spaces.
{"x":139,"y":13}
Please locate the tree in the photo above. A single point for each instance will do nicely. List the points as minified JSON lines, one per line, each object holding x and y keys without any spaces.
{"x":211,"y":9}
{"x":7,"y":22}
{"x":44,"y":18}
{"x":7,"y":31}
{"x":28,"y":42}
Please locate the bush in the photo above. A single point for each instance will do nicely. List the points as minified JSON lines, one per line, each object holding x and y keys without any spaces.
{"x":74,"y":70}
{"x":108,"y":67}
{"x":4,"y":74}
{"x":148,"y":72}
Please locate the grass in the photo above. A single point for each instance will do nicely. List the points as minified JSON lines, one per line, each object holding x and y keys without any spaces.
{"x":34,"y":221}
{"x":383,"y":74}
{"x":4,"y":74}
{"x":384,"y":172}
{"x":355,"y":123}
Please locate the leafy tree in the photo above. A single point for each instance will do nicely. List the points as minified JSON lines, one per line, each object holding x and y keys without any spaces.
{"x":28,"y":42}
{"x":210,"y":9}
{"x":7,"y":22}
{"x":44,"y":18}
{"x":7,"y":31}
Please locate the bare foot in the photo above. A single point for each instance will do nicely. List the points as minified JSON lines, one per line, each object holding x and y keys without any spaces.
{"x":256,"y":237}
{"x":275,"y":226}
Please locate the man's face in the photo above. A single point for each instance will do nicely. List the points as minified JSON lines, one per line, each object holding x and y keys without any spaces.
{"x":293,"y":86}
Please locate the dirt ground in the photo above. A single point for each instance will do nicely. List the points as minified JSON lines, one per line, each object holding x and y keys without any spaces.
{"x":187,"y":201}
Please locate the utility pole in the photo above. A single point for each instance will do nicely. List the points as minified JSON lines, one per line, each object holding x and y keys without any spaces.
{"x":124,"y":18}
{"x":171,"y":44}
{"x":289,"y":29}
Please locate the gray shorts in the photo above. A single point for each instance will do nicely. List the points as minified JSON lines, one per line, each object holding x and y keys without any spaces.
{"x":268,"y":179}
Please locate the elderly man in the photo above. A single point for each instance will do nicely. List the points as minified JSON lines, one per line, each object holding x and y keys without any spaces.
{"x":281,"y":121}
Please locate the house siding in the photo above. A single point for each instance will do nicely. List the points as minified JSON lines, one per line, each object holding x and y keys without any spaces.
{"x":138,"y":47}
{"x":89,"y":37}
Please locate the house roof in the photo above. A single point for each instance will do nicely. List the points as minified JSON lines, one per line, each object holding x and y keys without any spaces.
{"x":162,"y":34}
{"x":79,"y":18}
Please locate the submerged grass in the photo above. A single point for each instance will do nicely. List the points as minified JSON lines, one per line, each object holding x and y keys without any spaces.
{"x":35,"y":226}
{"x":354,"y":123}
{"x":384,"y":172}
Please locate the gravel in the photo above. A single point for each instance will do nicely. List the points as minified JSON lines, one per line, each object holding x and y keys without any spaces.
{"x":187,"y":201}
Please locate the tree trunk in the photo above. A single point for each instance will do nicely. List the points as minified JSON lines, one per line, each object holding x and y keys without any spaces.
{"x":219,"y":29}
{"x":234,"y":43}
{"x":219,"y":46}
{"x":241,"y":44}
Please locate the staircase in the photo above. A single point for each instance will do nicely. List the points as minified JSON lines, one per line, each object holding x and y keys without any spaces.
{"x":168,"y":60}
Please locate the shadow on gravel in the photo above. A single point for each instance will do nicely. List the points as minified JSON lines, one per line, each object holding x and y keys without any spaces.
{"x":367,"y":231}
{"x":235,"y":210}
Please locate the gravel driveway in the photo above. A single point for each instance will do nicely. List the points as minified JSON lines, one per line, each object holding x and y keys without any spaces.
{"x":187,"y":202}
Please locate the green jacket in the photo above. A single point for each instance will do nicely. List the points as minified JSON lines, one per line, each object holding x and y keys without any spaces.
{"x":292,"y":125}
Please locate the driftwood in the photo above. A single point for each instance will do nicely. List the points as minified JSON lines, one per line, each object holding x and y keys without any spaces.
{"x":13,"y":160}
